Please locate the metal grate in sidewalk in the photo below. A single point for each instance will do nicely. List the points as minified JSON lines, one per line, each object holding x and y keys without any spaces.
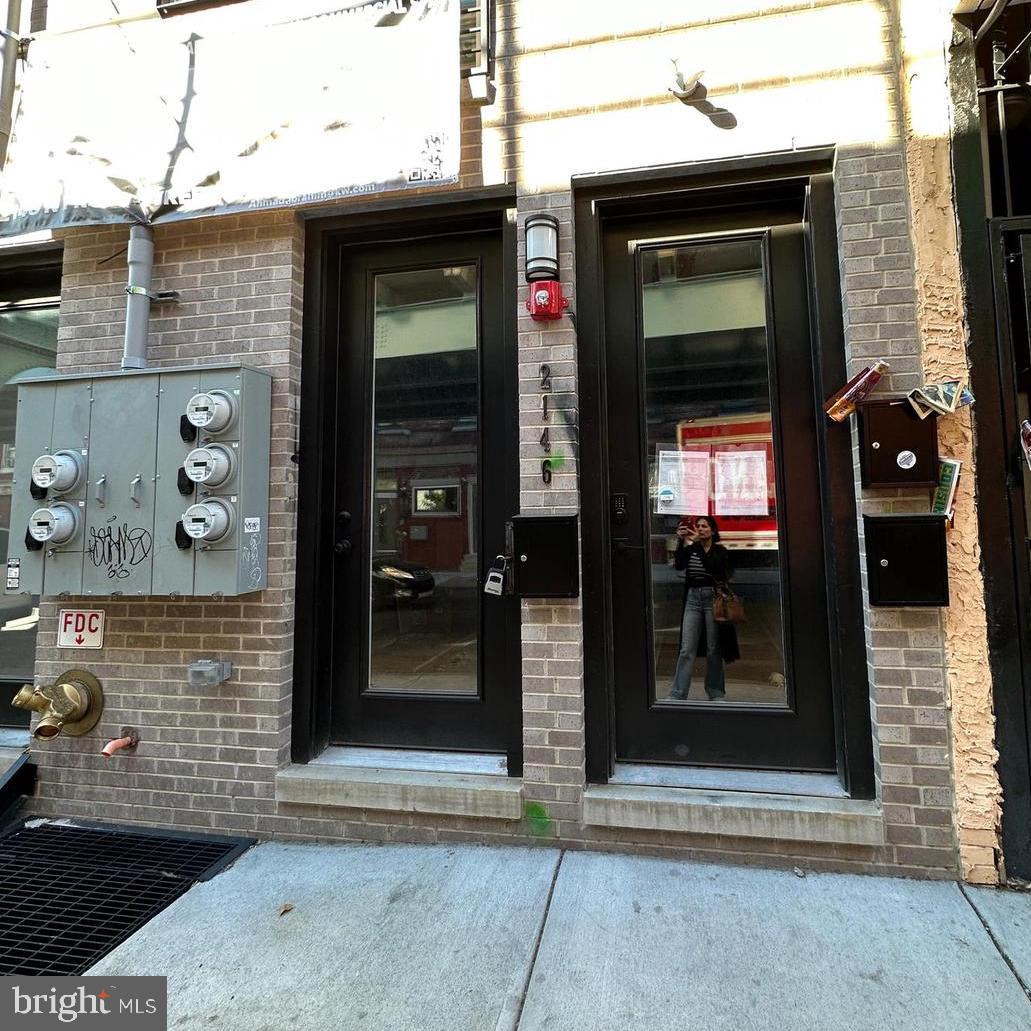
{"x":69,"y":895}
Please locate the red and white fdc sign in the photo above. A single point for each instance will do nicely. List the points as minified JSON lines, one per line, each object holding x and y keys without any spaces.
{"x":80,"y":628}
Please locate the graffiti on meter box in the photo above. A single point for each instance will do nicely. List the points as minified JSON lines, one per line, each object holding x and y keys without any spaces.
{"x":117,"y":548}
{"x":80,"y":628}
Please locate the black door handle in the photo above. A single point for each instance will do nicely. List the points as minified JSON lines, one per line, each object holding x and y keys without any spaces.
{"x":342,"y":547}
{"x":622,"y":546}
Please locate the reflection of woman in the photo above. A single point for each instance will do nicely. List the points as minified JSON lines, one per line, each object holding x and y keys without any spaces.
{"x":706,"y":564}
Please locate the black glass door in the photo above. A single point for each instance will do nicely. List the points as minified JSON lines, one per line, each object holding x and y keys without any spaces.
{"x":714,"y":478}
{"x":420,"y":504}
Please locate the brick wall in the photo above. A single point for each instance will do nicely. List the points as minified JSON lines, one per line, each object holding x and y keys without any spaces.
{"x":581,"y":88}
{"x":910,"y":720}
{"x":209,"y":755}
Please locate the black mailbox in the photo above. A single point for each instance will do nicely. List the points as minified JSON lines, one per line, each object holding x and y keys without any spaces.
{"x":546,"y":556}
{"x":906,"y":560}
{"x":896,"y":447}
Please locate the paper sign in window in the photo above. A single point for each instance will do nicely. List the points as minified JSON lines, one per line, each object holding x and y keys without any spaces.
{"x":682,"y":484}
{"x":741,"y":487}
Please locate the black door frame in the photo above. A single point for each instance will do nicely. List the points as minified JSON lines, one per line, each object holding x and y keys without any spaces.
{"x":390,"y":221}
{"x":982,"y":266}
{"x":796,"y":734}
{"x":658,"y":191}
{"x":1008,"y":586}
{"x":477,"y":721}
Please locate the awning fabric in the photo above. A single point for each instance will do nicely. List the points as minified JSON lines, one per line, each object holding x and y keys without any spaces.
{"x":256,"y":105}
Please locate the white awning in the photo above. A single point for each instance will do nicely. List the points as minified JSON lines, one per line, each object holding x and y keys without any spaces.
{"x":245,"y":108}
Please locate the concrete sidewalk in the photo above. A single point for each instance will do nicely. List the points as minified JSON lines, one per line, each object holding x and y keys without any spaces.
{"x":464,"y":937}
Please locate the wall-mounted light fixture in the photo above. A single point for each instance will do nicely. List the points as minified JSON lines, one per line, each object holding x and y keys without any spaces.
{"x":545,"y":301}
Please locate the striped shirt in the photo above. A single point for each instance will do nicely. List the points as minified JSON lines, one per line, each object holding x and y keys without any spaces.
{"x":696,"y":573}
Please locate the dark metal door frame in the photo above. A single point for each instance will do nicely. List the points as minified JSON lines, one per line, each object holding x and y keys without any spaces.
{"x":430,"y":217}
{"x":1008,"y":586}
{"x":471,"y":722}
{"x":982,"y":265}
{"x":731,"y":184}
{"x":797,"y":735}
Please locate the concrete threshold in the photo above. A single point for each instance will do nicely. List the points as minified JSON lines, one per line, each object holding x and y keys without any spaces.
{"x":735,"y":813}
{"x":408,"y":791}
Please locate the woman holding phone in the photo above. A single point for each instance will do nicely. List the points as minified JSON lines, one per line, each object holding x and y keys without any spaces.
{"x":705,"y":562}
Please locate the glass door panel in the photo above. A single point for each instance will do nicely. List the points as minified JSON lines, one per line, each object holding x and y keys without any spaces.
{"x":423,"y":571}
{"x":710,"y":453}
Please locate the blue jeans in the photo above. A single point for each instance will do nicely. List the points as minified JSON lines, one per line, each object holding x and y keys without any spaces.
{"x":697,"y":618}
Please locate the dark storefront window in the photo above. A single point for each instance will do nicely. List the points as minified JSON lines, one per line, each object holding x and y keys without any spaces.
{"x":28,"y":344}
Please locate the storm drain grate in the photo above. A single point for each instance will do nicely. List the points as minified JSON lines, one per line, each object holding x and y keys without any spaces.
{"x":69,"y":895}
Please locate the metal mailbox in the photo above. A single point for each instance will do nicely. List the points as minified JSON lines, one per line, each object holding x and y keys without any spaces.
{"x":150,"y":482}
{"x":546,"y":556}
{"x":906,"y":560}
{"x":896,"y":447}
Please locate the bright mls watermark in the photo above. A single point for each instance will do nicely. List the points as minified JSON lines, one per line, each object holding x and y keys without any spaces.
{"x":115,"y":1004}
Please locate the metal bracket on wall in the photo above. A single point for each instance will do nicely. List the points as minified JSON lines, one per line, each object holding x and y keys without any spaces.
{"x":156,"y":297}
{"x":22,"y":41}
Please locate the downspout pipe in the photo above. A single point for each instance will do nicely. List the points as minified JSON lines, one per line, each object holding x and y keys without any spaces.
{"x":137,"y":305}
{"x":10,"y":51}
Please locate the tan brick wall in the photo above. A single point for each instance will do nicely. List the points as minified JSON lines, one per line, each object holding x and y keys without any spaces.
{"x":581,"y":88}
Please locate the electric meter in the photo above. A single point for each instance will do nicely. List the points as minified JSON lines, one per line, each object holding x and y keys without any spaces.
{"x":208,"y":521}
{"x":212,"y":465}
{"x":61,"y":471}
{"x":212,"y":410}
{"x":55,"y":524}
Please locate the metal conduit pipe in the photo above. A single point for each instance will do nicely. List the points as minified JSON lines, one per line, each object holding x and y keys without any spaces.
{"x":137,"y":305}
{"x":10,"y":51}
{"x":993,"y":16}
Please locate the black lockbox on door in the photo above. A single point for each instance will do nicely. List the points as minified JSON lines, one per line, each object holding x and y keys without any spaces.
{"x":906,"y":560}
{"x":896,"y":447}
{"x":545,"y":556}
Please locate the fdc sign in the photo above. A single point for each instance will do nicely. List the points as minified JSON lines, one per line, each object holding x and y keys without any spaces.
{"x":80,"y":628}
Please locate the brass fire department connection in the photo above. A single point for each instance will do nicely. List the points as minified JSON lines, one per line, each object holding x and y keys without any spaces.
{"x":72,"y":705}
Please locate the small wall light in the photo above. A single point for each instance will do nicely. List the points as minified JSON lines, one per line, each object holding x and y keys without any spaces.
{"x":545,"y":301}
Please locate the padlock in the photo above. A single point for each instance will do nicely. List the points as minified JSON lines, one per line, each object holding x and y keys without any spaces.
{"x":495,"y":583}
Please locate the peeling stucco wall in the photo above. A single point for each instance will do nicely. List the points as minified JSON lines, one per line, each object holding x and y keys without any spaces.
{"x":924,"y":39}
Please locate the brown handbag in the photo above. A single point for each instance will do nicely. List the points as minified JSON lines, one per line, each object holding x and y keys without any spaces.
{"x":727,"y":607}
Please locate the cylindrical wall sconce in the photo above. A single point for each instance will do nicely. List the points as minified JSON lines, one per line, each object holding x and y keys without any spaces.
{"x":541,"y":247}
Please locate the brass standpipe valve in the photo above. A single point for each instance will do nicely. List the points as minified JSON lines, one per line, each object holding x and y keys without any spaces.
{"x":71,"y":705}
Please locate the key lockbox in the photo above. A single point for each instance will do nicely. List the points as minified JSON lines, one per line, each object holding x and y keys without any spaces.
{"x":150,"y":482}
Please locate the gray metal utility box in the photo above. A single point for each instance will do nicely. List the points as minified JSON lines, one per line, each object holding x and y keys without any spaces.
{"x":142,"y":483}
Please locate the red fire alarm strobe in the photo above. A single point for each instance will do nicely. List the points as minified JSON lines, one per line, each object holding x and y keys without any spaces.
{"x":546,"y":301}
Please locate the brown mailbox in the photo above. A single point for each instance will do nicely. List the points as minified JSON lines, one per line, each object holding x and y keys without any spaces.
{"x":906,"y":560}
{"x":896,"y":447}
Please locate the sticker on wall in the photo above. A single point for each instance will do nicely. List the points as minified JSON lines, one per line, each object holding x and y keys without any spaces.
{"x":252,"y":524}
{"x":13,"y":574}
